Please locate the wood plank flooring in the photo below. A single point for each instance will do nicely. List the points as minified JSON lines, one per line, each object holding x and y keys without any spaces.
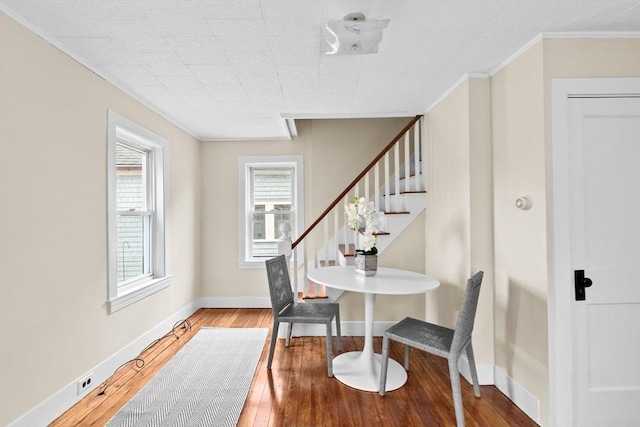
{"x":297,"y":391}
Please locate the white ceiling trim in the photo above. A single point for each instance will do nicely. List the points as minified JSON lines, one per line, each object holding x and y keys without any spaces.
{"x":453,"y":87}
{"x":82,"y":61}
{"x":190,"y":75}
{"x":287,"y":130}
{"x":266,"y":139}
{"x":592,"y":35}
{"x":564,"y":35}
{"x":517,"y":54}
{"x":529,"y":45}
{"x":353,"y":115}
{"x":291,"y":127}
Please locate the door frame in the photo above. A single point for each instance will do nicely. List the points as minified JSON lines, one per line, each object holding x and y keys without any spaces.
{"x":560,"y":296}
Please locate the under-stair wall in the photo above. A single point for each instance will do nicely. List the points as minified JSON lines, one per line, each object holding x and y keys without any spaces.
{"x":328,"y":242}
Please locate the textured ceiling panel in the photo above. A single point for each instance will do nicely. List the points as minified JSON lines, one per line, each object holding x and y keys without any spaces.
{"x":231,"y":70}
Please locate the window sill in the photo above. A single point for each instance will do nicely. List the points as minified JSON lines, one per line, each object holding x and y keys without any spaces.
{"x":135,"y":295}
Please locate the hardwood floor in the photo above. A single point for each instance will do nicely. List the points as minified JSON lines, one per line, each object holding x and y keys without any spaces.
{"x":297,"y":391}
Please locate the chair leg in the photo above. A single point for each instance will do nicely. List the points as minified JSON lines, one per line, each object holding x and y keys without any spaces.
{"x":289,"y":331}
{"x":384,"y":359}
{"x":338,"y":332}
{"x":406,"y":357}
{"x":474,"y":372}
{"x":329,"y":350}
{"x":455,"y":390}
{"x":274,"y":337}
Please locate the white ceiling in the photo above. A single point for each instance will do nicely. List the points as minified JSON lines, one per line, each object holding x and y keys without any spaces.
{"x":233,"y":69}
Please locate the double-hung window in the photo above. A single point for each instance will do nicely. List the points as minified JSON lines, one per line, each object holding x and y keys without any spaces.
{"x":271,"y":194}
{"x":136,"y":218}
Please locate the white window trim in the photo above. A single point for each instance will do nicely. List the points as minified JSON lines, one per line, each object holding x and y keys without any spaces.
{"x":244,"y":165}
{"x":119,"y":127}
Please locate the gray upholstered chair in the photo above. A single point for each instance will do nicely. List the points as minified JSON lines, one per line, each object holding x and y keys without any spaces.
{"x":284,"y":309}
{"x":441,"y":341}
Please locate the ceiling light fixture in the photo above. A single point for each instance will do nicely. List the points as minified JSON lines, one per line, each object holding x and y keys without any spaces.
{"x":354,"y":35}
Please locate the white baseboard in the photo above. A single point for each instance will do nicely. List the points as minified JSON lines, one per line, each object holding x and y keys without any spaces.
{"x":486,"y":374}
{"x":347,"y":329}
{"x":522,"y":398}
{"x":56,"y":405}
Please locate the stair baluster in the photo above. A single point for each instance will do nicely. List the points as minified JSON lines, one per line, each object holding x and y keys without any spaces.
{"x":334,"y":242}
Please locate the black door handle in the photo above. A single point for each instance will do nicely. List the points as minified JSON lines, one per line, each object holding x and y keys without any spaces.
{"x":580,"y":283}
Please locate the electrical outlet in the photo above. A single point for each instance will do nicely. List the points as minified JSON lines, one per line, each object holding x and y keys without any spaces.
{"x":85,"y":383}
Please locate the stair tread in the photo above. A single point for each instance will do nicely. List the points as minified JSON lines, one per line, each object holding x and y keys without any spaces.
{"x":347,"y":252}
{"x":314,"y":291}
{"x":407,"y":193}
{"x":397,"y":213}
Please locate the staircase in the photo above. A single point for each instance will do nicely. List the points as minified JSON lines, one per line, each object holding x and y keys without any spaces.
{"x":394,"y":180}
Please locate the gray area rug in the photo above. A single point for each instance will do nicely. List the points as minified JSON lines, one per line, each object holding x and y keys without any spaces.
{"x":204,"y":384}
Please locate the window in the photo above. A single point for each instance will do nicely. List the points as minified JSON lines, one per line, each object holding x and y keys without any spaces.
{"x":136,"y":217}
{"x":271,"y":193}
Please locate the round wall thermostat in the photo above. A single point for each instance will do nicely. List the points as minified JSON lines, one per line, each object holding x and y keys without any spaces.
{"x":523,"y":203}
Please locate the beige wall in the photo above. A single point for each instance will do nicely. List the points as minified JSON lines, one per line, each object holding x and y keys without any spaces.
{"x":495,"y":133}
{"x":520,"y":236}
{"x":458,"y":224}
{"x":53,"y":212}
{"x":54,"y":325}
{"x":521,"y":125}
{"x":575,"y":58}
{"x":53,"y":321}
{"x":334,"y":151}
{"x":448,"y":243}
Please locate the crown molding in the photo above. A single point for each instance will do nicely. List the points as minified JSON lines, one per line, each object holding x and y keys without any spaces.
{"x":529,"y":45}
{"x":384,"y":115}
{"x":453,"y":87}
{"x":592,"y":35}
{"x":565,"y":35}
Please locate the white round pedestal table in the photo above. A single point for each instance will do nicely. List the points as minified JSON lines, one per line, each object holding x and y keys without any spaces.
{"x":361,"y":369}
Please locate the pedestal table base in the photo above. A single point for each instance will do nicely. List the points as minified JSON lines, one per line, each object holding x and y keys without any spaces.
{"x":360,"y":371}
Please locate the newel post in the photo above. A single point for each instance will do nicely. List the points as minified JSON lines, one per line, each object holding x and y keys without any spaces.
{"x":284,"y":241}
{"x":284,"y":248}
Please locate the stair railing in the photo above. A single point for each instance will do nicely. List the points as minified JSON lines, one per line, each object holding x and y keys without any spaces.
{"x":398,"y":166}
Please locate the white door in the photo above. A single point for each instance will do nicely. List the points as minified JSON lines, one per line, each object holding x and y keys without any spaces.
{"x":604,"y":211}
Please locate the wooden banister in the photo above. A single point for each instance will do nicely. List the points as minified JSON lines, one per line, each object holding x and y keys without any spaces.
{"x":356,"y":180}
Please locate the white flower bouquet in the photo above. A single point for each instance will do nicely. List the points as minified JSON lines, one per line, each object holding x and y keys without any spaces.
{"x":363,"y":218}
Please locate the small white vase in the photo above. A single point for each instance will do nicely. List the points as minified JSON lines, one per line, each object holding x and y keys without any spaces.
{"x":367,"y":265}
